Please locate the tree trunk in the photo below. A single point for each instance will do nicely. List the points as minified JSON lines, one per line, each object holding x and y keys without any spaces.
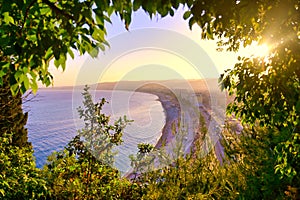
{"x":12,"y":118}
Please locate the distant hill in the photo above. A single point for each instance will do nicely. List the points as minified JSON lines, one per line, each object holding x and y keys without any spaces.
{"x":207,"y":88}
{"x":196,"y":85}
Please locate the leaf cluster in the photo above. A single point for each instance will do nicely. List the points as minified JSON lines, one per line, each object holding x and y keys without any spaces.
{"x":19,"y":178}
{"x":267,"y":89}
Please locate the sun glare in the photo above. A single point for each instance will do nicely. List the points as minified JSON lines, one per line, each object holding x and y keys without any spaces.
{"x":259,"y":50}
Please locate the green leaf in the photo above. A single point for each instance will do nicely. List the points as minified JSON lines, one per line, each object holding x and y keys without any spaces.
{"x":26,"y":82}
{"x":93,"y":52}
{"x":100,"y":20}
{"x":98,"y":35}
{"x":18,"y":76}
{"x":8,"y":19}
{"x":2,"y":73}
{"x":56,"y":63}
{"x":71,"y":53}
{"x":187,"y":14}
{"x":2,"y":192}
{"x":171,"y":12}
{"x":137,"y":4}
{"x":45,"y":10}
{"x":34,"y":86}
{"x":192,"y":21}
{"x":14,"y":88}
{"x":48,"y":54}
{"x":101,"y":46}
{"x":110,"y":10}
{"x":61,"y":61}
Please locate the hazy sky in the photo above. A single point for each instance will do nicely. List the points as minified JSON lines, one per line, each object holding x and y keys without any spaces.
{"x":170,"y":51}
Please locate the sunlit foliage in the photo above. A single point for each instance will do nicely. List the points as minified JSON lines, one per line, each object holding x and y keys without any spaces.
{"x":19,"y":177}
{"x":266,"y":88}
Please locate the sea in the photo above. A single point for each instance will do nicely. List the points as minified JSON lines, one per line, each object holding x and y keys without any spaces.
{"x":53,"y":120}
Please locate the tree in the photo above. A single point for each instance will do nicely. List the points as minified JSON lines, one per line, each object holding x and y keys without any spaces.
{"x":12,"y":119}
{"x":34,"y":32}
{"x":84,"y":169}
{"x":266,"y":89}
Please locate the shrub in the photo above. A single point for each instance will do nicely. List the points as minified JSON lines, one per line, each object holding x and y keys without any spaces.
{"x":19,"y":177}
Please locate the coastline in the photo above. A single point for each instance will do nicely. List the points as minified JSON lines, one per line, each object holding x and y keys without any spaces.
{"x":164,"y":90}
{"x":172,"y":112}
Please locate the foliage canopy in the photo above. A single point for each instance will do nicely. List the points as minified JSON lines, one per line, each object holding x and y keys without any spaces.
{"x":266,"y":89}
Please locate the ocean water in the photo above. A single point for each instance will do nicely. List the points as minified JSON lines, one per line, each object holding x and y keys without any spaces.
{"x":53,"y":120}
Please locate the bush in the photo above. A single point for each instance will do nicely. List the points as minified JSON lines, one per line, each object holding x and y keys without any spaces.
{"x":251,"y":158}
{"x":19,"y":177}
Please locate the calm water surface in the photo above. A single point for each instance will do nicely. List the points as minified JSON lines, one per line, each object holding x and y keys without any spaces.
{"x":53,"y":121}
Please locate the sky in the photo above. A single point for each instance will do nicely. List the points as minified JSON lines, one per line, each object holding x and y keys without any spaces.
{"x":152,"y":49}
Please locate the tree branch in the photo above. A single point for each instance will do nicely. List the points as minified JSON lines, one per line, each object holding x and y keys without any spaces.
{"x":57,"y":10}
{"x":27,"y":9}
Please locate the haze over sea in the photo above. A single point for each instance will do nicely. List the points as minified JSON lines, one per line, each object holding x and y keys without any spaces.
{"x":53,"y":120}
